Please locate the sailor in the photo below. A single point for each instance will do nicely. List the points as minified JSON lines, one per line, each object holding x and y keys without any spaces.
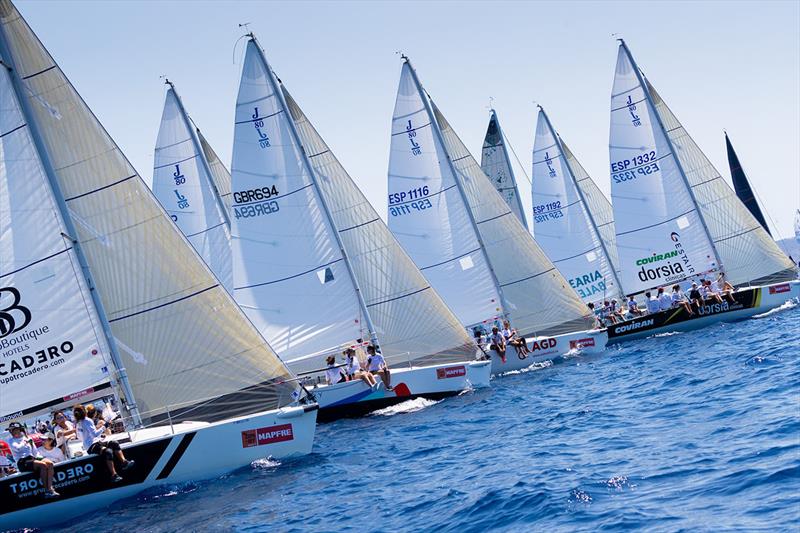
{"x":608,"y":312}
{"x":49,"y":450}
{"x":26,"y":455}
{"x":616,"y":310}
{"x":94,"y":442}
{"x":695,"y":296}
{"x":722,"y":287}
{"x":709,"y":294}
{"x":498,"y":343}
{"x":653,"y":305}
{"x":514,"y":340}
{"x":64,"y":430}
{"x":334,"y":374}
{"x":352,"y":367}
{"x":679,"y":299}
{"x":633,"y":307}
{"x":377,"y":365}
{"x":664,"y":299}
{"x":598,"y":321}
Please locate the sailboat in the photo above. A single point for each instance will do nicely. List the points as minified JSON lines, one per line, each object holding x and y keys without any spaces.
{"x":677,"y":221}
{"x":467,"y":241}
{"x":572,"y":219}
{"x":101,"y":296}
{"x":318,"y":271}
{"x":742,"y":186}
{"x":183,"y":183}
{"x":496,"y":164}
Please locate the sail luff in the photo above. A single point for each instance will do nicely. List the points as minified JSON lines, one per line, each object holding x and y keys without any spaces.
{"x":460,"y":187}
{"x":277,"y":88}
{"x":24,"y":103}
{"x":587,"y":210}
{"x":220,"y":177}
{"x":192,"y":129}
{"x":678,"y":164}
{"x":503,"y":143}
{"x":742,"y":185}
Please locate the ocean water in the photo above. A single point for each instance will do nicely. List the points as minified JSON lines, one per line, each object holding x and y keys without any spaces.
{"x":695,"y":431}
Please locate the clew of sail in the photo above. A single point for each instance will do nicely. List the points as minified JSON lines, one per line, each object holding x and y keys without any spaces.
{"x":182,"y":183}
{"x":747,"y":253}
{"x":539,"y":299}
{"x":428,"y":215}
{"x":290,"y":276}
{"x":202,"y":359}
{"x":496,"y":164}
{"x":661,"y":239}
{"x":742,"y":185}
{"x":412,"y":322}
{"x":219,"y":173}
{"x":564,"y":226}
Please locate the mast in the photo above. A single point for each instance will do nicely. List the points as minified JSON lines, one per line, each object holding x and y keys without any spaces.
{"x":585,"y":204}
{"x":276,"y":86}
{"x":193,"y":132}
{"x":459,"y":186}
{"x":122,"y":374}
{"x":744,"y":191}
{"x":503,"y":142}
{"x":678,"y":164}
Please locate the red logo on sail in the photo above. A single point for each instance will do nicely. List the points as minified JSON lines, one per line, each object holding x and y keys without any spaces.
{"x":581,"y":343}
{"x":777,"y":289}
{"x":451,"y":372}
{"x":267,"y":435}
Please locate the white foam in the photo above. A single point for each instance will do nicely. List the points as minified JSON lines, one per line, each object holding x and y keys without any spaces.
{"x":408,"y":406}
{"x":265,"y":463}
{"x":534,"y":366}
{"x":667,"y":334}
{"x":788,"y":305}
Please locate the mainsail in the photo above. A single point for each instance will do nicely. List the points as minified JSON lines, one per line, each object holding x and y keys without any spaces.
{"x":742,"y":185}
{"x":186,"y":346}
{"x":533,"y":295}
{"x":317,"y":207}
{"x":676,"y":217}
{"x":182,"y":182}
{"x":566,"y":208}
{"x":496,"y":164}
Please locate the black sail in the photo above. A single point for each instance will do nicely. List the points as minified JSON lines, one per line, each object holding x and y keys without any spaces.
{"x":742,"y":186}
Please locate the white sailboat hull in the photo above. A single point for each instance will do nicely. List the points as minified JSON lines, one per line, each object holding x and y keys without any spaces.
{"x":163,"y":455}
{"x":749,"y":302}
{"x":546,"y":348}
{"x":355,"y":398}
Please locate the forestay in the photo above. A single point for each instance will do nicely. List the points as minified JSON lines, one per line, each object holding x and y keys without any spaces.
{"x":184,"y":342}
{"x":182,"y":183}
{"x":540,"y":300}
{"x":428,"y":215}
{"x":496,"y":164}
{"x":290,"y":276}
{"x":747,"y":253}
{"x":660,"y":235}
{"x":563,"y":225}
{"x":51,"y":343}
{"x":411,"y":320}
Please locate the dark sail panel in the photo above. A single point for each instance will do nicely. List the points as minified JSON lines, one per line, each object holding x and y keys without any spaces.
{"x":742,"y":186}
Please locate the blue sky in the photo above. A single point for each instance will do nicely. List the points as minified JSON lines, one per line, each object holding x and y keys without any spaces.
{"x":733,"y":65}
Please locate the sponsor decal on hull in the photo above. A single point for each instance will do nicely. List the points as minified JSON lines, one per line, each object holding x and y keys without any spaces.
{"x":267,"y":435}
{"x":451,"y":372}
{"x":578,"y":344}
{"x":778,"y":289}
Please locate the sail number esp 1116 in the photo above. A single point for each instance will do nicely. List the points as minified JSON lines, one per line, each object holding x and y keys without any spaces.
{"x":406,"y":202}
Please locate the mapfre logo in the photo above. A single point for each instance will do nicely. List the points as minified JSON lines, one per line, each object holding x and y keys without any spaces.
{"x":578,"y":344}
{"x":267,"y":435}
{"x":778,"y":289}
{"x":451,"y":372}
{"x":13,"y":316}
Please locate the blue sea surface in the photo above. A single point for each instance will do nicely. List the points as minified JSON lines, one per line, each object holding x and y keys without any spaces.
{"x":695,"y":431}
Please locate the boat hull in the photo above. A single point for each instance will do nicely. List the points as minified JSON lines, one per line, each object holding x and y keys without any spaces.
{"x":749,"y":302}
{"x":547,"y":348}
{"x":194,"y":451}
{"x":355,"y":398}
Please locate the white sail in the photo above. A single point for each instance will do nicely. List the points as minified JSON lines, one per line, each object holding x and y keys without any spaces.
{"x":428,"y":215}
{"x":51,"y":343}
{"x":797,"y":226}
{"x":219,"y":173}
{"x":412,"y":322}
{"x":185,"y":344}
{"x":747,"y":252}
{"x":182,"y":183}
{"x":563,"y":224}
{"x":290,"y":276}
{"x":661,"y":237}
{"x":539,"y":299}
{"x":496,"y":164}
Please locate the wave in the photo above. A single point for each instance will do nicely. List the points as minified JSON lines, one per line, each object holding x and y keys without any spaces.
{"x":408,"y":406}
{"x":790,"y":304}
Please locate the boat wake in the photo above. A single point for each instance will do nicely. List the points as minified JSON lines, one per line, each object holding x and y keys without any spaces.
{"x":539,"y":365}
{"x":265,"y":464}
{"x":167,"y":491}
{"x":409,"y":406}
{"x":791,"y":304}
{"x":666,"y":334}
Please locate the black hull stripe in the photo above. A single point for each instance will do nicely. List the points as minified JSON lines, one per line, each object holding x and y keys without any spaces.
{"x":176,"y":456}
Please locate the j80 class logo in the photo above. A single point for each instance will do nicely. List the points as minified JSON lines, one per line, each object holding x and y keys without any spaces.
{"x":13,"y":316}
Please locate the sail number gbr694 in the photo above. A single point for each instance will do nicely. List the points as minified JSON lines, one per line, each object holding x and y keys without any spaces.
{"x":636,"y":166}
{"x":255,"y":202}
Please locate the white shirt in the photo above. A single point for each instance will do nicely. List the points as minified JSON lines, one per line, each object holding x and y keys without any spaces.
{"x":55,"y":455}
{"x":665,"y":300}
{"x":703,"y":291}
{"x":714,"y":286}
{"x":352,"y":365}
{"x":333,"y":374}
{"x":59,"y":431}
{"x":375,"y":362}
{"x":21,"y":447}
{"x":677,"y":297}
{"x":497,"y":339}
{"x":507,"y":334}
{"x":653,"y":305}
{"x":88,"y":433}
